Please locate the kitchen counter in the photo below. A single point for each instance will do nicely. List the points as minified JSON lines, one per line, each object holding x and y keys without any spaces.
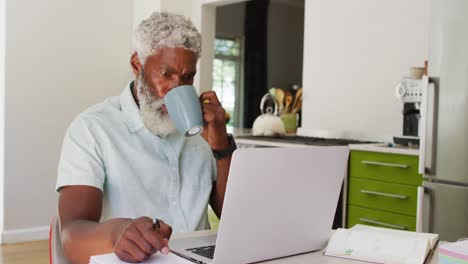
{"x":265,"y":143}
{"x":244,"y":136}
{"x":383,"y":148}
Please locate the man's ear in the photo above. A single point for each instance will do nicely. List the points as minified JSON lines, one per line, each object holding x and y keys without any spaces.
{"x":135,"y":64}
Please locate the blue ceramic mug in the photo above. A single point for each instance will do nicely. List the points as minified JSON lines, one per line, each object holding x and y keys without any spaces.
{"x":184,"y":108}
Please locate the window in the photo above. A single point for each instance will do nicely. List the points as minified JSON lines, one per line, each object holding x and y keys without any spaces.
{"x":226,"y":76}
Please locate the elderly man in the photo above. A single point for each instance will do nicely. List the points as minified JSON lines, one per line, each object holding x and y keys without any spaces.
{"x":123,"y":164}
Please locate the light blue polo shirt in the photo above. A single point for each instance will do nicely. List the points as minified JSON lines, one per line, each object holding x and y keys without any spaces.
{"x":140,"y":174}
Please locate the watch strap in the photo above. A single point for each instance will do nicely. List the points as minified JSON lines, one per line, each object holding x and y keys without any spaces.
{"x":219,"y":154}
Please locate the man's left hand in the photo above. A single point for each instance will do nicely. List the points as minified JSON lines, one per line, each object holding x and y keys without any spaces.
{"x":214,"y":121}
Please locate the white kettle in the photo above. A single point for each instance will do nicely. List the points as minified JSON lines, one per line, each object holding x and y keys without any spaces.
{"x":268,"y":124}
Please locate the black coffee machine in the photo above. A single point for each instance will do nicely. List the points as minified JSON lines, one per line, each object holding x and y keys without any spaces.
{"x":411,"y":118}
{"x":410,"y":92}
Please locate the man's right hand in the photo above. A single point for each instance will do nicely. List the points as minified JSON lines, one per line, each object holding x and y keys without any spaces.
{"x":139,"y":240}
{"x":84,"y":235}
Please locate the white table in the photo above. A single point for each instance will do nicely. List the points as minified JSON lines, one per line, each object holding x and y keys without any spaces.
{"x":308,"y":258}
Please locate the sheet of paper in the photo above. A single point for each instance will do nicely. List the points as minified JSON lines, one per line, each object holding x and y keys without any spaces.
{"x":156,"y":258}
{"x":379,"y":247}
{"x":433,"y":238}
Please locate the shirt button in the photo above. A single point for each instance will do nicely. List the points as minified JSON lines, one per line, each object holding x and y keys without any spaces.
{"x":174,"y":169}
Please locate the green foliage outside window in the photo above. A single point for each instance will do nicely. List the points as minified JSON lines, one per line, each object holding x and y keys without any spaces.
{"x":225,"y":74}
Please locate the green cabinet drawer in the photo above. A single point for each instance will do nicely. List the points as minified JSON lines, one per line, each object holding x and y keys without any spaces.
{"x":387,"y":167}
{"x":390,"y":197}
{"x":359,"y":215}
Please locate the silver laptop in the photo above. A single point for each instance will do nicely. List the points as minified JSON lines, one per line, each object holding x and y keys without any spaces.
{"x":279,"y":202}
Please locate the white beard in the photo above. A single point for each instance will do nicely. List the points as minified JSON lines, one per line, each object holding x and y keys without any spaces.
{"x":154,"y":119}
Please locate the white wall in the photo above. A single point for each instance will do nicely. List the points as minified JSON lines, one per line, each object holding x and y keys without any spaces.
{"x":354,"y":53}
{"x":61,"y":57}
{"x":181,"y":7}
{"x":143,"y":9}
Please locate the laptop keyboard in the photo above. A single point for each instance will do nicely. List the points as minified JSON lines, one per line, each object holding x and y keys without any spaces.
{"x":206,"y":252}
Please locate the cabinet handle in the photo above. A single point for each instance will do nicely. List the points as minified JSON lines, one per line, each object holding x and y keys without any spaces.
{"x":403,"y":166}
{"x":385,"y":194}
{"x":365,"y":220}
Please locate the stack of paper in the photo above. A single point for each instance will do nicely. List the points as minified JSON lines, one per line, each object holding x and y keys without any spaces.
{"x":381,"y":245}
{"x":156,"y":258}
{"x":454,"y":253}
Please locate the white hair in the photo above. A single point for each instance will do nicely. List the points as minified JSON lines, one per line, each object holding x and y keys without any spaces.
{"x":164,"y":29}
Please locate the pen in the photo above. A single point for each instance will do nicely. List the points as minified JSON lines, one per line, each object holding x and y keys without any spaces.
{"x":156,"y":226}
{"x":156,"y":223}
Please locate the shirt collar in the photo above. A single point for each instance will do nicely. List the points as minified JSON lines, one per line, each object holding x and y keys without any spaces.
{"x":130,"y":109}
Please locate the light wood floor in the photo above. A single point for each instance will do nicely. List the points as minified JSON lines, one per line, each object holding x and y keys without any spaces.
{"x":25,"y":253}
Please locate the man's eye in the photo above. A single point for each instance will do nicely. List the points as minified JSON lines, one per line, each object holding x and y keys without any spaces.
{"x":164,"y":74}
{"x":188,"y":77}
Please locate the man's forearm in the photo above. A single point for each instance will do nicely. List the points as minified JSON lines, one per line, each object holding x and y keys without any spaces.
{"x":83,"y":238}
{"x":217,"y":195}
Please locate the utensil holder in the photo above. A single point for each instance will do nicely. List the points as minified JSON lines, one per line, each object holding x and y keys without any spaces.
{"x":289,"y":122}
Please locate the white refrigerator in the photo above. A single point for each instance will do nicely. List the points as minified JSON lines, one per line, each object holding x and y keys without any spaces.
{"x":443,"y":198}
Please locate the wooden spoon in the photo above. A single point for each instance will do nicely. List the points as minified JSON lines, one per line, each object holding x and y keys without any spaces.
{"x":273,"y":92}
{"x":298,"y":105}
{"x":287,"y":102}
{"x":296,"y":98}
{"x":280,"y":98}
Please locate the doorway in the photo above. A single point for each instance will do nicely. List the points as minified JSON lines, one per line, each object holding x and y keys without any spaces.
{"x":267,"y":36}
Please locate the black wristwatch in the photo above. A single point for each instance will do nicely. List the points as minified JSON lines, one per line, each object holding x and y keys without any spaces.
{"x":219,"y":154}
